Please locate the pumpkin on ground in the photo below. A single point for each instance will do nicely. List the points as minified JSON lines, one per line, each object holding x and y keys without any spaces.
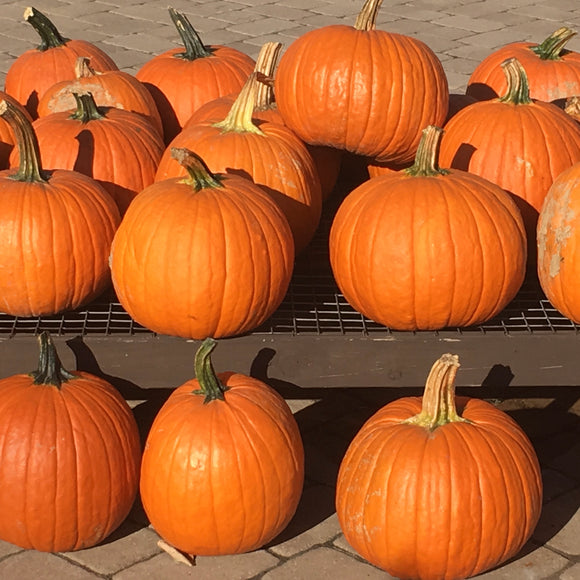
{"x":70,"y":457}
{"x":553,"y":71}
{"x":113,"y":88}
{"x":368,"y":91}
{"x":205,"y":255}
{"x":270,"y":154}
{"x":119,"y":149}
{"x":520,"y":144}
{"x":57,"y":228}
{"x":37,"y":69}
{"x":559,"y":244}
{"x":426,"y":248}
{"x":223,"y":466}
{"x":439,"y":487}
{"x":181,"y":81}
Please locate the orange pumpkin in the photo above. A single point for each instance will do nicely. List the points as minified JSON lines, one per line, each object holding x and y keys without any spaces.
{"x":113,"y":88}
{"x":208,"y":255}
{"x":270,"y":154}
{"x":182,"y":81}
{"x":439,"y":488}
{"x":57,"y":228}
{"x":559,"y":244}
{"x":7,"y":140}
{"x":223,"y":466}
{"x":427,"y":248}
{"x":553,"y":72}
{"x":364,"y":90}
{"x":70,"y":457}
{"x":37,"y":69}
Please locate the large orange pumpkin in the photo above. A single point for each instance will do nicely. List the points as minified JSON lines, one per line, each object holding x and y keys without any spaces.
{"x":368,"y":91}
{"x":426,"y":248}
{"x":70,"y":457}
{"x":57,"y":228}
{"x":37,"y":69}
{"x":559,"y":244}
{"x":181,"y":80}
{"x":439,"y":488}
{"x":205,"y":255}
{"x":223,"y":466}
{"x":553,"y":72}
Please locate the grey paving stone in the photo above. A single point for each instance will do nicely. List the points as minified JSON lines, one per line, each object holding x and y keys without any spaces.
{"x":278,"y":11}
{"x":468,"y":23}
{"x":261,"y":26}
{"x":32,"y":565}
{"x":571,"y":573}
{"x":6,"y":549}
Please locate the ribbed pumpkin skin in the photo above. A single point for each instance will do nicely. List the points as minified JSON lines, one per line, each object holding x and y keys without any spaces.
{"x":121,"y":150}
{"x":443,"y":504}
{"x":424,"y":253}
{"x":223,"y":477}
{"x":559,"y":243}
{"x":278,"y":161}
{"x":400,"y":88}
{"x":34,"y":71}
{"x":56,"y":242}
{"x":213,"y":263}
{"x":69,"y":462}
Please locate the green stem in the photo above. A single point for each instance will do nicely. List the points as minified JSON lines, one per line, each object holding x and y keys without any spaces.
{"x":50,"y":370}
{"x":518,"y":89}
{"x":367,"y":18}
{"x":199,"y":175}
{"x":552,"y":47}
{"x":438,"y":406}
{"x":194,"y":47}
{"x":239,"y":118}
{"x":427,"y":156}
{"x":87,"y":109}
{"x":29,"y":168}
{"x":50,"y":37}
{"x":210,"y":385}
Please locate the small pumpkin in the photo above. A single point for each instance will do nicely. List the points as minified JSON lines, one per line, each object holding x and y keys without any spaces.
{"x":223,"y":466}
{"x":57,"y":228}
{"x":205,"y":255}
{"x":426,"y":248}
{"x":37,"y":69}
{"x":70,"y":457}
{"x":439,"y":487}
{"x":181,"y":81}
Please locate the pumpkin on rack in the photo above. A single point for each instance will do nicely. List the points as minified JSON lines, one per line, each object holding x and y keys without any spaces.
{"x":364,"y":90}
{"x":553,"y":72}
{"x":205,"y":255}
{"x":181,"y":81}
{"x":119,"y":149}
{"x":113,"y":88}
{"x":426,"y":248}
{"x":37,"y":69}
{"x":270,"y":154}
{"x":70,"y":457}
{"x":223,"y":466}
{"x":57,"y":228}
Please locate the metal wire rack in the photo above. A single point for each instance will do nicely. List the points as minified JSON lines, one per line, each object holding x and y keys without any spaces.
{"x":313,"y":306}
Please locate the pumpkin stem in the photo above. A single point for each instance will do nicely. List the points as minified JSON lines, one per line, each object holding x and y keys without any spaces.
{"x":83,"y":68}
{"x":239,"y":118}
{"x":266,"y":64}
{"x":210,"y":385}
{"x":87,"y":109}
{"x":427,"y":156}
{"x":367,"y":18}
{"x":29,"y":168}
{"x":518,"y":89}
{"x":438,"y":407}
{"x":194,"y":47}
{"x":200,"y":177}
{"x":50,"y":370}
{"x":552,"y":47}
{"x":50,"y":37}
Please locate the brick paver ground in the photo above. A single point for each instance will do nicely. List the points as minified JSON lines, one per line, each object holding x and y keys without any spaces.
{"x":312,"y":547}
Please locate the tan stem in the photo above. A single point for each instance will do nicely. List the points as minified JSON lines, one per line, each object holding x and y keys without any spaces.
{"x":427,"y":156}
{"x":518,"y":89}
{"x":367,"y":18}
{"x":266,"y":64}
{"x":83,"y":68}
